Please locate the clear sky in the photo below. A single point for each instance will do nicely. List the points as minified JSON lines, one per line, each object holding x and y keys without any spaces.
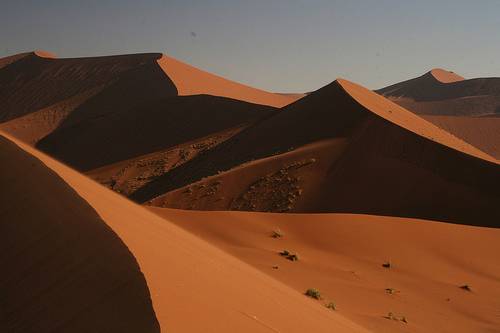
{"x":279,"y":45}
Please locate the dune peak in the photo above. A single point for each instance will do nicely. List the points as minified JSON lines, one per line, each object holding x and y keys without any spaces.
{"x":445,"y":76}
{"x":403,"y":118}
{"x":44,"y":54}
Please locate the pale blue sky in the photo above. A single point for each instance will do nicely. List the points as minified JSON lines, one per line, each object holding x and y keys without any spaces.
{"x":294,"y":45}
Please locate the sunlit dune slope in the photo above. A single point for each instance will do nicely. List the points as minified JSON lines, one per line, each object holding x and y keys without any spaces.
{"x":481,"y":132}
{"x":194,"y":286}
{"x":342,"y":256}
{"x":193,"y":81}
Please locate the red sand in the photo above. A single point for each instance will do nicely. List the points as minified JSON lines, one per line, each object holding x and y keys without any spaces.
{"x":392,"y":163}
{"x":194,"y":286}
{"x":192,"y":81}
{"x":342,"y":256}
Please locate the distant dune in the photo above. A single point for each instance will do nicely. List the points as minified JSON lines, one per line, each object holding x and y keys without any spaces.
{"x":91,"y":112}
{"x":165,"y":133}
{"x":383,"y":160}
{"x":441,"y":92}
{"x":192,"y":81}
{"x":481,"y":132}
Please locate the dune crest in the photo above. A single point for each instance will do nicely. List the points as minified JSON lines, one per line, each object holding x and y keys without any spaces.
{"x":396,"y":114}
{"x":445,"y":76}
{"x":44,"y":54}
{"x":185,"y":274}
{"x":193,"y":81}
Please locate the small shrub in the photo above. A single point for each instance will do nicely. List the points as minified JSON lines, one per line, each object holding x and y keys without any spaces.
{"x":387,"y":264}
{"x":275,"y":267}
{"x":466,"y":287}
{"x":289,"y":255}
{"x":277,"y":233}
{"x":284,"y":253}
{"x":392,"y":316}
{"x":391,"y":291}
{"x":313,"y":293}
{"x":331,"y":306}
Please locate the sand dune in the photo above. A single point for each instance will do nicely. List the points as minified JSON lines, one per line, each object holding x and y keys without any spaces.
{"x":194,"y":286}
{"x":192,"y":81}
{"x":64,"y":269}
{"x":440,"y":92}
{"x":393,"y":163}
{"x":80,"y":258}
{"x":91,"y":112}
{"x":481,"y":132}
{"x":444,"y":76}
{"x":126,"y":176}
{"x":120,"y":136}
{"x":342,"y":256}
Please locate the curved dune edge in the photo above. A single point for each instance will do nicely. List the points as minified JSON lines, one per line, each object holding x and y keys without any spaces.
{"x":401,"y":117}
{"x":193,"y":81}
{"x":445,"y":76}
{"x":44,"y":54}
{"x":194,"y":286}
{"x":64,"y":269}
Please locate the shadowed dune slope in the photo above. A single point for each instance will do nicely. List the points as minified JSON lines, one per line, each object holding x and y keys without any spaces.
{"x":439,"y":92}
{"x":342,"y":255}
{"x":323,"y":114}
{"x":34,"y":82}
{"x":155,"y":126}
{"x":395,"y":163}
{"x":186,"y":275}
{"x":91,"y":112}
{"x":11,"y":59}
{"x":126,"y":176}
{"x":64,"y":269}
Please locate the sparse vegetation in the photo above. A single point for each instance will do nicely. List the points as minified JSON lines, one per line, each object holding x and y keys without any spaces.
{"x":391,"y":291}
{"x":331,"y":306}
{"x":313,"y":293}
{"x":284,"y":253}
{"x":277,"y":233}
{"x":392,"y":316}
{"x":290,"y":256}
{"x":466,"y":287}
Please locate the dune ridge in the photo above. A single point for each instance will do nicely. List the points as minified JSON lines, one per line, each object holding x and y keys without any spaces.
{"x":64,"y":269}
{"x":392,"y":112}
{"x":440,"y":92}
{"x":445,"y":76}
{"x":394,"y":163}
{"x":192,"y":81}
{"x":174,"y":262}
